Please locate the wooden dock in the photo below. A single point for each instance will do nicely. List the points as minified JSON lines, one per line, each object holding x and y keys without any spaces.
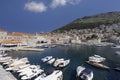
{"x":6,"y":75}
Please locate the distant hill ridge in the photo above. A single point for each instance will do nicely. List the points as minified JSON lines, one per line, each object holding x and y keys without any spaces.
{"x":92,"y":21}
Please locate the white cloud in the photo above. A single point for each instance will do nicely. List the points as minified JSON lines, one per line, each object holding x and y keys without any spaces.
{"x":57,"y":3}
{"x":35,"y":7}
{"x":74,"y":1}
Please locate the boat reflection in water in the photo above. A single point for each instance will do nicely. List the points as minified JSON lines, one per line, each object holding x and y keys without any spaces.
{"x":99,"y":65}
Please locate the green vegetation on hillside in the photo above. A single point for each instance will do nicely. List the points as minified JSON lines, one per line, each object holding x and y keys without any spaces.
{"x":92,"y":21}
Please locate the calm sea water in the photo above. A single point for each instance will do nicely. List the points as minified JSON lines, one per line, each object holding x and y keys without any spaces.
{"x":78,"y":54}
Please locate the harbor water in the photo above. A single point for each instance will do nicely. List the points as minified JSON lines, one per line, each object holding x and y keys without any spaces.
{"x":77,"y":54}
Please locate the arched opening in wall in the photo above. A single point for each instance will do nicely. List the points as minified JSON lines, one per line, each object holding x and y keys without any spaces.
{"x":39,"y":42}
{"x":42,"y":42}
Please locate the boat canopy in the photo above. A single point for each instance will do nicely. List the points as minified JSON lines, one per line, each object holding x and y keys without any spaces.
{"x":87,"y":71}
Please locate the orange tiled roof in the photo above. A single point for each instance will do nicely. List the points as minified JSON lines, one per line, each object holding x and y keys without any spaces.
{"x":2,"y":30}
{"x":20,"y":34}
{"x":17,"y":34}
{"x":11,"y":41}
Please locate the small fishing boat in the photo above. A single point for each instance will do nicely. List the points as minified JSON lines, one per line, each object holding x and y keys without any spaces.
{"x":61,"y":63}
{"x":84,"y":74}
{"x":51,"y":61}
{"x":47,"y":58}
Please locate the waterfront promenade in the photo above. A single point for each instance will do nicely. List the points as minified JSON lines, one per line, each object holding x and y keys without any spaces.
{"x":20,"y":48}
{"x":6,"y":75}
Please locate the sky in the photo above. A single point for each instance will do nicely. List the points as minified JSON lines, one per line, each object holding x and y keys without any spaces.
{"x":33,"y":16}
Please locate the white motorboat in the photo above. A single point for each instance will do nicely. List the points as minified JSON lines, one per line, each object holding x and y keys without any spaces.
{"x":55,"y":75}
{"x":96,"y":58}
{"x":18,"y":67}
{"x":57,"y":62}
{"x":27,"y":68}
{"x":10,"y":62}
{"x":47,"y":58}
{"x":51,"y":61}
{"x":31,"y":74}
{"x":17,"y":62}
{"x":61,"y":63}
{"x":27,"y":72}
{"x":84,"y":74}
{"x":5,"y":59}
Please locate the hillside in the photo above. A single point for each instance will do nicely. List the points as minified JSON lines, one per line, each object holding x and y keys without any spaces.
{"x":92,"y":21}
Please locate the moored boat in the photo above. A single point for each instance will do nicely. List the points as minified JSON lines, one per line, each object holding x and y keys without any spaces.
{"x":31,"y":74}
{"x":51,"y":61}
{"x":96,"y":58}
{"x":61,"y":63}
{"x":10,"y":61}
{"x":5,"y":59}
{"x":84,"y":74}
{"x":17,"y":67}
{"x":18,"y":62}
{"x":55,"y":75}
{"x":47,"y":58}
{"x":27,"y":68}
{"x":65,"y":63}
